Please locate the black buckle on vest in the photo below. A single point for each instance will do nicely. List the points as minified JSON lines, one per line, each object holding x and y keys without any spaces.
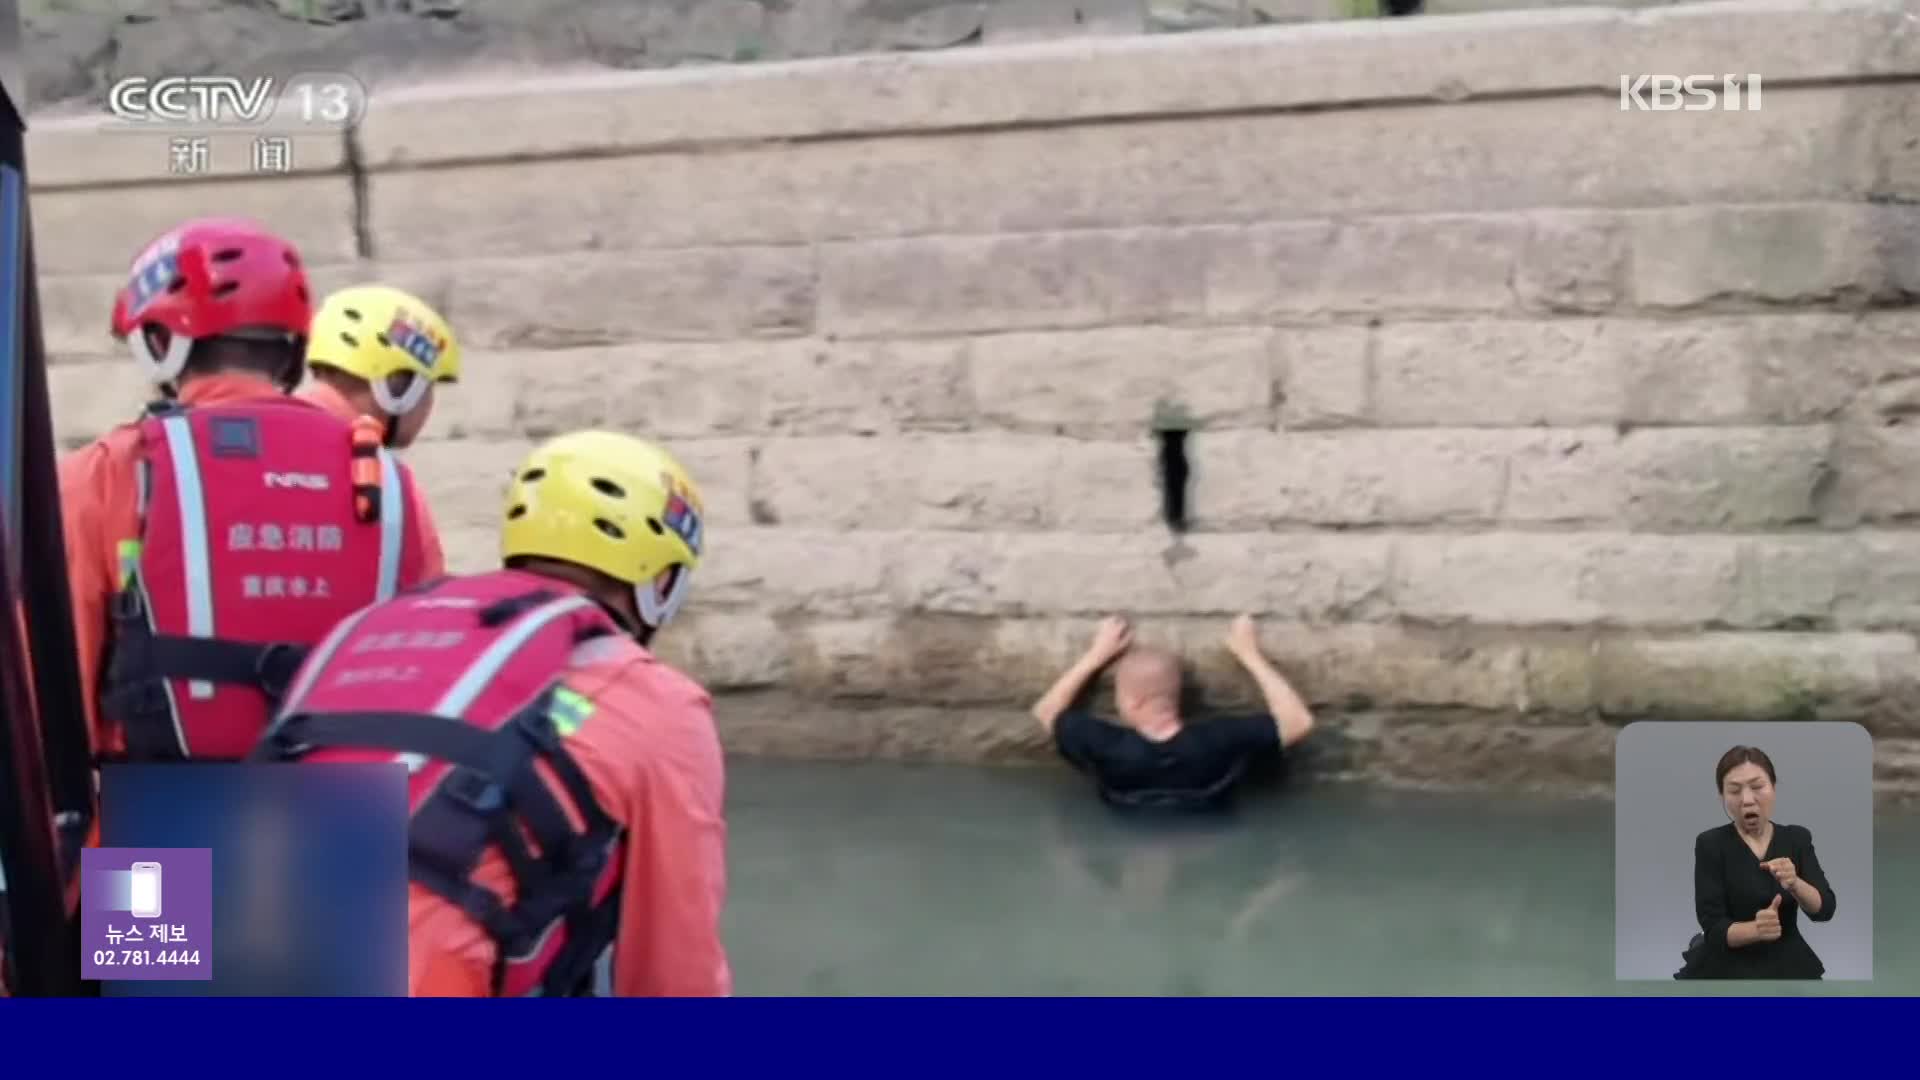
{"x":537,"y":727}
{"x":276,"y":666}
{"x":128,"y":604}
{"x":475,"y":791}
{"x":281,"y":741}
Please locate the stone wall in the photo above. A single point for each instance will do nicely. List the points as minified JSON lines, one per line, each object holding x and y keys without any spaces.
{"x":1516,"y":415}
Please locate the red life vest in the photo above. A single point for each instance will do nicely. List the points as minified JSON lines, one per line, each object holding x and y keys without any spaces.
{"x":461,"y":682}
{"x":250,"y":550}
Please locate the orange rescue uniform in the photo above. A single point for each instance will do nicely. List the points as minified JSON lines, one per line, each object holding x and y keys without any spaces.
{"x":333,"y":401}
{"x":652,"y":756}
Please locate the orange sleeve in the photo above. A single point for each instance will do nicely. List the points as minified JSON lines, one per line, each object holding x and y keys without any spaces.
{"x":95,"y":510}
{"x":675,"y":885}
{"x":433,"y":557}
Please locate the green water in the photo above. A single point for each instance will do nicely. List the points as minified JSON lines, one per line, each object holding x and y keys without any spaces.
{"x":871,"y":879}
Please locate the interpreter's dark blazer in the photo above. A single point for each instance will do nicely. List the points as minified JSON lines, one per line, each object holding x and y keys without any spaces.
{"x":1730,"y":886}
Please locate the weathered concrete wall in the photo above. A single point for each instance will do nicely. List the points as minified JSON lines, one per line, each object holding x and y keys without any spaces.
{"x":1517,"y":415}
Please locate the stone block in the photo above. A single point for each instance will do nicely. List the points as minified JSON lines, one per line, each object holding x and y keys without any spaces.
{"x":940,"y":285}
{"x":783,"y":726}
{"x":1059,"y":280}
{"x":959,"y":482}
{"x":1670,"y":478}
{"x":1566,"y":476}
{"x":1123,"y":382}
{"x":76,"y":311}
{"x":863,"y":388}
{"x":1567,"y":579}
{"x":775,"y":571}
{"x":998,"y":482}
{"x":466,"y":480}
{"x":725,"y":651}
{"x":1257,"y":480}
{"x":1806,"y":253}
{"x":1722,"y":479}
{"x":76,"y":317}
{"x":1360,"y":667}
{"x":90,"y":399}
{"x":1496,"y":374}
{"x":1876,"y":473}
{"x":1258,"y":69}
{"x":1184,"y":170}
{"x":585,"y":298}
{"x":1304,"y":577}
{"x":960,"y":661}
{"x":1471,"y":752}
{"x":674,"y":391}
{"x":100,"y":230}
{"x":471,"y":550}
{"x":1749,"y":676}
{"x":1866,"y":580}
{"x":724,"y":472}
{"x":1755,"y":368}
{"x":1325,"y":376}
{"x":666,"y":392}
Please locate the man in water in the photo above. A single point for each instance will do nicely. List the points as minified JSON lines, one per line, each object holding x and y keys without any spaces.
{"x":1154,"y":755}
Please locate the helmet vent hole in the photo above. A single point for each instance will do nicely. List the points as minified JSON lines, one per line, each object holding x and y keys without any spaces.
{"x":227,"y":255}
{"x":658,"y":529}
{"x":225,"y":289}
{"x":351,"y":313}
{"x":608,"y":488}
{"x":610,"y":528}
{"x":532,"y":475}
{"x":352,"y":342}
{"x":385,"y":341}
{"x":176,"y":284}
{"x":519,"y":511}
{"x":292,"y":257}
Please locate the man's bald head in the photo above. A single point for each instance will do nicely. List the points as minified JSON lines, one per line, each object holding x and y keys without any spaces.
{"x":1146,"y":681}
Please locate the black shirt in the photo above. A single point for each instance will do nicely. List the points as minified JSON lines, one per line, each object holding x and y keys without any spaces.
{"x":1198,"y":766}
{"x":1730,"y":886}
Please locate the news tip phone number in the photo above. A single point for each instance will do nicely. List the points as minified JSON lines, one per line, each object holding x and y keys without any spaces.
{"x":144,"y":957}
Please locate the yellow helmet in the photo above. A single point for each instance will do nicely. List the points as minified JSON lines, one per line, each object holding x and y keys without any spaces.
{"x":376,"y":332}
{"x":611,"y":503}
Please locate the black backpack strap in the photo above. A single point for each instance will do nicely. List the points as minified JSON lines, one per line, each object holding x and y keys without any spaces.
{"x":589,"y":934}
{"x":492,"y":797}
{"x":141,"y":662}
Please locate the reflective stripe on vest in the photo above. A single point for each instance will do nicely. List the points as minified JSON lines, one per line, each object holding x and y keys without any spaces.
{"x":473,"y":681}
{"x":393,"y":515}
{"x":193,"y":537}
{"x":321,"y":656}
{"x":466,"y":689}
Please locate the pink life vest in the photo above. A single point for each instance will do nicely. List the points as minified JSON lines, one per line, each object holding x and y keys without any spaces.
{"x":250,"y":550}
{"x":461,"y":682}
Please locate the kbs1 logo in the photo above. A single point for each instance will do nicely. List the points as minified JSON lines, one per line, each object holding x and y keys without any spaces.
{"x":1689,"y":93}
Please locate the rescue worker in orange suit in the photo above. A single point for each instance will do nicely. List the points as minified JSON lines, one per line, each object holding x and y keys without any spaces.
{"x":215,"y":539}
{"x":378,"y":352}
{"x":567,"y":786}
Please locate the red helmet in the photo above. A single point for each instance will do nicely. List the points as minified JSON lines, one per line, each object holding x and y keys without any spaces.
{"x":210,"y":277}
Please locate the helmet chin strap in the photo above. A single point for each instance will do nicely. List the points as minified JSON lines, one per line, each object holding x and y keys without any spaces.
{"x":657,"y":611}
{"x":394,"y":406}
{"x":164,"y":370}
